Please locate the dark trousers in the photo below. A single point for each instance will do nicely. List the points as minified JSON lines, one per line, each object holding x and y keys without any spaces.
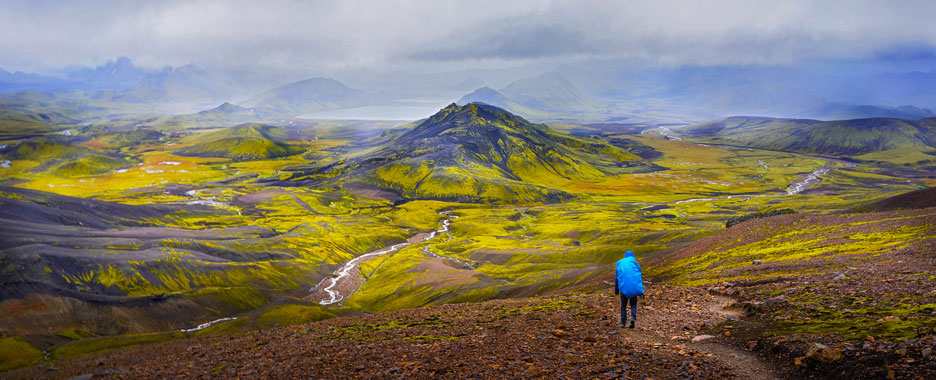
{"x":633,"y":305}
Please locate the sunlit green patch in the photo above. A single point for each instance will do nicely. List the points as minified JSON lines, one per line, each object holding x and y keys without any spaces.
{"x":98,"y":345}
{"x":859,"y":322}
{"x":550,"y":305}
{"x":16,"y":353}
{"x":377,"y":331}
{"x":290,"y":314}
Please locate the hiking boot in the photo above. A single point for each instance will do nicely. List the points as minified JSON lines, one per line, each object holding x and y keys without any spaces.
{"x":623,"y":324}
{"x":632,"y":324}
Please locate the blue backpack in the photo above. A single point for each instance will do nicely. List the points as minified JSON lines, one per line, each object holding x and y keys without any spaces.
{"x":629,"y":279}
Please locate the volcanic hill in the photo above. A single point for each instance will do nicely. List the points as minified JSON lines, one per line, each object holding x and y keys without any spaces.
{"x":478,"y":152}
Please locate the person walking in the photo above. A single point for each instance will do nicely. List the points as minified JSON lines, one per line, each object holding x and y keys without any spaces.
{"x":628,"y":282}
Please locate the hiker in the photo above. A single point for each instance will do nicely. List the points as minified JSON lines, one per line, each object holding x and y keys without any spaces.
{"x":628,"y":282}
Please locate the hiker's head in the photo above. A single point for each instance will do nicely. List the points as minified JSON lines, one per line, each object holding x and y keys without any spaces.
{"x":629,"y":254}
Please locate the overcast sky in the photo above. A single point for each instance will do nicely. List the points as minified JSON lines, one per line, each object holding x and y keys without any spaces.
{"x":328,"y":36}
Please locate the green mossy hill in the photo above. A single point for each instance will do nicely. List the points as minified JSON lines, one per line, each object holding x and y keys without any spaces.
{"x":17,"y":120}
{"x":243,"y":142}
{"x":479,"y":152}
{"x":44,"y":149}
{"x":90,"y":166}
{"x":841,"y":137}
{"x":62,"y":158}
{"x":131,"y":138}
{"x":15,"y":353}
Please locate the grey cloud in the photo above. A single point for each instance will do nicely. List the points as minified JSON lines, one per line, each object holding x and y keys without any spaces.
{"x":334,"y":35}
{"x":511,"y":42}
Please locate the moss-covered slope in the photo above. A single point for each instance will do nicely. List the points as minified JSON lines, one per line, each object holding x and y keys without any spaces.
{"x":242,"y":142}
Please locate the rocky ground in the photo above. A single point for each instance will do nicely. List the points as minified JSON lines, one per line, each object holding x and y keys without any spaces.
{"x":573,"y":335}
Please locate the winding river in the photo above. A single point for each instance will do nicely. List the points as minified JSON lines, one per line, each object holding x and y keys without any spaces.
{"x":347,"y":277}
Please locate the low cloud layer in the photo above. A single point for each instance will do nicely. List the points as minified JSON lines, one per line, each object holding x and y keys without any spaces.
{"x":324,"y":36}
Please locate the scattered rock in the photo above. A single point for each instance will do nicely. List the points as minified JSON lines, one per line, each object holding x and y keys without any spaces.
{"x":533,"y":371}
{"x":840,"y":277}
{"x":775,"y":300}
{"x":823,"y":353}
{"x":108,"y":372}
{"x":927,"y":352}
{"x":699,"y":338}
{"x":758,"y":262}
{"x":86,"y":376}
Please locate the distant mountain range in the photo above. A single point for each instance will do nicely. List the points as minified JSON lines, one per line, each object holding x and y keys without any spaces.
{"x":184,"y":84}
{"x":117,"y":74}
{"x":539,"y":96}
{"x":307,"y":96}
{"x":845,"y":111}
{"x":585,"y":91}
{"x":709,"y":92}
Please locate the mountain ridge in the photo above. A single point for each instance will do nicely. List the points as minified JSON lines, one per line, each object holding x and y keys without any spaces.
{"x":885,"y":139}
{"x":307,"y":96}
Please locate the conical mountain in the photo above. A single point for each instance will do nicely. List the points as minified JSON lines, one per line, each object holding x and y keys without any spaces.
{"x":478,"y":152}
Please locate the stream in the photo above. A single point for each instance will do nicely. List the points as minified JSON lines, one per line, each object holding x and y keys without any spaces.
{"x":334,"y":295}
{"x":445,"y":224}
{"x":199,"y":199}
{"x":796,"y":187}
{"x":207,"y":324}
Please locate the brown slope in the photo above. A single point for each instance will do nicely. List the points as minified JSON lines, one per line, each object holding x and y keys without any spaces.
{"x":922,"y":198}
{"x":860,"y":284}
{"x":571,"y":335}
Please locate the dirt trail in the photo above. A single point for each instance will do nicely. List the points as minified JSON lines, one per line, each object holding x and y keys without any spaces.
{"x":665,"y":313}
{"x":746,"y":363}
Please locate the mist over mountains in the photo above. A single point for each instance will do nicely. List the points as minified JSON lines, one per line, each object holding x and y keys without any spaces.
{"x":595,"y":90}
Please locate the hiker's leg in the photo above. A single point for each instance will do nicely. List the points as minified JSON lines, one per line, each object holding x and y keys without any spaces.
{"x":633,"y":305}
{"x":623,"y":309}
